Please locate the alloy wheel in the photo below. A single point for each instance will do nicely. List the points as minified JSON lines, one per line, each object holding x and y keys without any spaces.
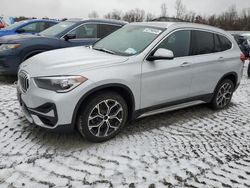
{"x":105,"y":118}
{"x":224,"y":95}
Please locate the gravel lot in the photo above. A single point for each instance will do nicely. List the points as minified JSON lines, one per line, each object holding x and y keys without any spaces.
{"x":193,"y":147}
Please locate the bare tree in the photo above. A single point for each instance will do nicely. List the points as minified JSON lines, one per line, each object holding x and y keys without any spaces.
{"x":93,"y":14}
{"x":149,"y":17}
{"x":115,"y":14}
{"x":245,"y":19}
{"x":212,"y":20}
{"x":198,"y":19}
{"x":180,"y":9}
{"x":229,"y":20}
{"x":189,"y":16}
{"x":163,"y":9}
{"x":135,"y":15}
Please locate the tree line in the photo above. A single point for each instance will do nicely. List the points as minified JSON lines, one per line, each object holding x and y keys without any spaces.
{"x":230,"y":19}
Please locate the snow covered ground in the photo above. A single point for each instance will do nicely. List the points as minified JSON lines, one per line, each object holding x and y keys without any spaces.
{"x":193,"y":147}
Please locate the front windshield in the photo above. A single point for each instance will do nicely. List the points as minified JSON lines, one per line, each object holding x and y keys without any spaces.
{"x":15,"y":25}
{"x":57,"y":29}
{"x":129,"y":40}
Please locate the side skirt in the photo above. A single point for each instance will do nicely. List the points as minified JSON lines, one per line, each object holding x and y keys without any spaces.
{"x":175,"y":105}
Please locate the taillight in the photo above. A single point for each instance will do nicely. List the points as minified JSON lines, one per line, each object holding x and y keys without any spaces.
{"x":242,"y":57}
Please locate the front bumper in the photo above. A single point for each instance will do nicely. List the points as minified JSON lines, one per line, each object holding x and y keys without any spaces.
{"x":44,"y":115}
{"x":49,"y":109}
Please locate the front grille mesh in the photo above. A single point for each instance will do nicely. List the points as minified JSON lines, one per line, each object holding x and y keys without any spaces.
{"x":24,"y":81}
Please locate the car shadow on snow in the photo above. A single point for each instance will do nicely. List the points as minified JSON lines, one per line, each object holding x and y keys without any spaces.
{"x":8,"y":79}
{"x":74,"y":141}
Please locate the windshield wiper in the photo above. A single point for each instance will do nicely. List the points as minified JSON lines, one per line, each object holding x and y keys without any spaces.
{"x":104,"y":50}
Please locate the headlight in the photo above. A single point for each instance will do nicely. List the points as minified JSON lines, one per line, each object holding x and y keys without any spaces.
{"x":60,"y":84}
{"x":8,"y":46}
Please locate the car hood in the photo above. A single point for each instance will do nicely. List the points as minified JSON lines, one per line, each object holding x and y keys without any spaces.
{"x":68,"y":61}
{"x":4,"y":32}
{"x":18,"y":38}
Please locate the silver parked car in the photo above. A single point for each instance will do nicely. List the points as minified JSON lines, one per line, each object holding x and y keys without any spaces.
{"x":139,"y":70}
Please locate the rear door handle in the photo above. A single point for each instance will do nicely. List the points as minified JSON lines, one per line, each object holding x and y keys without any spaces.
{"x":185,"y":64}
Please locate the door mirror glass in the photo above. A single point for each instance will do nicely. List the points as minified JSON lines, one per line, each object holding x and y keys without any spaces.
{"x":69,"y":36}
{"x":161,"y":53}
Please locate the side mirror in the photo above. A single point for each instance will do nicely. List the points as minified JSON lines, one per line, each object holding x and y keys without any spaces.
{"x":20,"y":30}
{"x":69,"y":36}
{"x":161,"y":53}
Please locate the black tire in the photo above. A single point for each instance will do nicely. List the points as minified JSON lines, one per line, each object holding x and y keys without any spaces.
{"x":248,"y":70}
{"x":97,"y":125}
{"x":218,"y":102}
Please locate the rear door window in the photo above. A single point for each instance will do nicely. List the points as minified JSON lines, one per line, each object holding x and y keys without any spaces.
{"x":48,"y":24}
{"x":217,"y":44}
{"x":202,"y":42}
{"x":106,"y":29}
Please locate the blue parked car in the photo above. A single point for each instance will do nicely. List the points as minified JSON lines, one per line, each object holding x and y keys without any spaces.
{"x":27,"y":26}
{"x":15,"y":49}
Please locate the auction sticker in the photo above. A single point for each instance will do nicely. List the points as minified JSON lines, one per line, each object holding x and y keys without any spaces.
{"x":64,"y":25}
{"x":153,"y":31}
{"x":130,"y":51}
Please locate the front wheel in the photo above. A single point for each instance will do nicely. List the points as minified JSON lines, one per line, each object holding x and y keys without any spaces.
{"x":102,"y":117}
{"x":223,"y":94}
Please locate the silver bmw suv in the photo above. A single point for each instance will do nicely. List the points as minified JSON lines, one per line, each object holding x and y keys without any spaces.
{"x":139,"y":70}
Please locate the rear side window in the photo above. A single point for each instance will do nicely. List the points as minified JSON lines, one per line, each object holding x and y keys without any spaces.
{"x":202,"y":43}
{"x":178,"y":42}
{"x":225,"y":43}
{"x":105,"y":30}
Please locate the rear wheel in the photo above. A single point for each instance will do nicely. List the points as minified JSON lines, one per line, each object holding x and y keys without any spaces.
{"x":223,"y":94}
{"x":102,"y":117}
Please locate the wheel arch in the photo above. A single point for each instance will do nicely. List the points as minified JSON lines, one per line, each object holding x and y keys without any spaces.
{"x":121,"y":89}
{"x":232,"y":76}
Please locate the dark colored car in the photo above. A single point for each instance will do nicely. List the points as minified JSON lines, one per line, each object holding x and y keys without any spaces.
{"x":245,"y":48}
{"x":28,"y":26}
{"x":242,"y":42}
{"x":1,"y":25}
{"x":17,"y":48}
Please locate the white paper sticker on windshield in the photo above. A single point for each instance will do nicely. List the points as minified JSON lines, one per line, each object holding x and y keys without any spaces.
{"x":130,"y":51}
{"x":153,"y":31}
{"x":64,"y":25}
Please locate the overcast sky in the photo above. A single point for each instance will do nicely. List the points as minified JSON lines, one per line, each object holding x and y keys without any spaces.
{"x":81,"y":8}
